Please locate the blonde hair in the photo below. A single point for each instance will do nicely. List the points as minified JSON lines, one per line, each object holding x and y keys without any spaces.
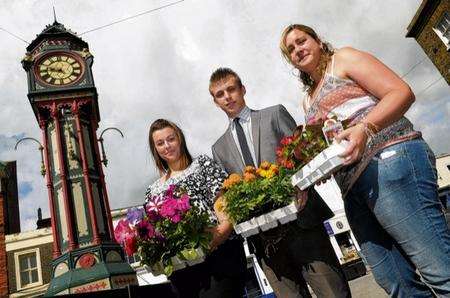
{"x":326,"y":53}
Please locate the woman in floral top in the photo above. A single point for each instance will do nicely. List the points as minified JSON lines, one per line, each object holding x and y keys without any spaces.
{"x":389,"y":182}
{"x":221,"y":275}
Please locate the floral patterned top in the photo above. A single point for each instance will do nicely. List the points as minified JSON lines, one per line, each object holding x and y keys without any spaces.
{"x":202,"y":180}
{"x":346,"y":100}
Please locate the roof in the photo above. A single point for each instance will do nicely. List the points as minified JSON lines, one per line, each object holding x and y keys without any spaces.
{"x":55,"y":30}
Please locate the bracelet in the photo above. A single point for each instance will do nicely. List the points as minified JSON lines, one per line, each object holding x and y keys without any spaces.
{"x":370,"y":132}
{"x":372,"y":126}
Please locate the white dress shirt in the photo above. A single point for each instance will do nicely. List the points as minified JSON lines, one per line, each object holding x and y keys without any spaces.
{"x":245,"y":120}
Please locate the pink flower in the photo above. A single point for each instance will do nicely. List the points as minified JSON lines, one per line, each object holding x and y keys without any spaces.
{"x":145,"y":230}
{"x":154,"y":204}
{"x":169,"y":208}
{"x":122,"y":230}
{"x":170,"y":191}
{"x":183,"y":203}
{"x":176,"y":218}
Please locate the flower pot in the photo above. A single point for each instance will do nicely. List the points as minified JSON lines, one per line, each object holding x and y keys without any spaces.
{"x":289,"y":213}
{"x":247,"y":228}
{"x":178,"y":263}
{"x":200,"y":257}
{"x":323,"y":164}
{"x":266,"y":221}
{"x":156,"y":269}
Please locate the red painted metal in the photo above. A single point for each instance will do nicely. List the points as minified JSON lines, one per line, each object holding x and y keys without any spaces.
{"x":51,"y":192}
{"x":87,"y":260}
{"x":63,"y":175}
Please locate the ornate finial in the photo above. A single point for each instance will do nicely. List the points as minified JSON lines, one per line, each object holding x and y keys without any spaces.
{"x":54,"y":15}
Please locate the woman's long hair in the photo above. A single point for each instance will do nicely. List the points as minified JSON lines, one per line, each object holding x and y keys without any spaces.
{"x":325,"y":57}
{"x":161,"y":164}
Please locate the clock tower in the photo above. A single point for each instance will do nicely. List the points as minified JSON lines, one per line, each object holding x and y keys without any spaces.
{"x":64,"y":99}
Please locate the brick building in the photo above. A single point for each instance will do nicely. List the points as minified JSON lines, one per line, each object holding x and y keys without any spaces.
{"x":430,"y":27}
{"x":9,"y":216}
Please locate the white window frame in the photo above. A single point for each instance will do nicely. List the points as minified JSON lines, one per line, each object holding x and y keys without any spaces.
{"x":36,"y":251}
{"x":444,"y":39}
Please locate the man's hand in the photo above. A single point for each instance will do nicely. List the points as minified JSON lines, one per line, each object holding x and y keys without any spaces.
{"x":302,"y":198}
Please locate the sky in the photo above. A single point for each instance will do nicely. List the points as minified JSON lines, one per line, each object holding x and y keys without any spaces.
{"x":158,"y":66}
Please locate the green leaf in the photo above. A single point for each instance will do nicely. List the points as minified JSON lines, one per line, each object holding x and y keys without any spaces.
{"x":189,"y":254}
{"x":168,"y":270}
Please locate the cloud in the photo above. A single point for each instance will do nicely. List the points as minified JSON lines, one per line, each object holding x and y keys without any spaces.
{"x":158,"y":66}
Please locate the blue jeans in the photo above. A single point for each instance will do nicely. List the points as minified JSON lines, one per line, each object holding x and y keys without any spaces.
{"x":397,"y":218}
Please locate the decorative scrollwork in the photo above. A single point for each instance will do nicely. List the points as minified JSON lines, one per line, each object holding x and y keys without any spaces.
{"x":100,"y":140}
{"x":41,"y":149}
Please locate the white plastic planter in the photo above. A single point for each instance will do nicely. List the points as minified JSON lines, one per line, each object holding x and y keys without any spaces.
{"x":267,"y":221}
{"x":199,"y":259}
{"x":247,"y":228}
{"x":325,"y":163}
{"x":177,"y":263}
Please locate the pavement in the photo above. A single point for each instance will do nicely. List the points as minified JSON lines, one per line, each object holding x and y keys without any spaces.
{"x":366,"y":287}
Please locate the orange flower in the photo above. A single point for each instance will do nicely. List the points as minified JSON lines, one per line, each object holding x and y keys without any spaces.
{"x":249,"y":177}
{"x":265,"y":165}
{"x":231,"y":180}
{"x":274,"y":169}
{"x":250,"y":169}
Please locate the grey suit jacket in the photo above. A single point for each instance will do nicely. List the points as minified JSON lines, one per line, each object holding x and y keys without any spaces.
{"x":269,"y":126}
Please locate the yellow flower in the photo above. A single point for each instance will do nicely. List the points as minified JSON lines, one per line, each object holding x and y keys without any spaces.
{"x":231,"y":180}
{"x":220,"y":204}
{"x":265,"y":165}
{"x":267,"y":170}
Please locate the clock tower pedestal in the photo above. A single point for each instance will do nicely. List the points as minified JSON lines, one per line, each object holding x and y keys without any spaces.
{"x":64,"y":99}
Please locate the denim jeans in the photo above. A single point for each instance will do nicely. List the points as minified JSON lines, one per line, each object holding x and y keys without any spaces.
{"x":396,"y":216}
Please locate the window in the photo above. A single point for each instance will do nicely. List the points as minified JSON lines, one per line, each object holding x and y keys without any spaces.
{"x":28,"y":268}
{"x":442,"y":29}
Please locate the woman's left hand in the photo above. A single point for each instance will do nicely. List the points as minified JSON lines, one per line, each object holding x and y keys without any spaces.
{"x":357,"y":138}
{"x":220,"y":234}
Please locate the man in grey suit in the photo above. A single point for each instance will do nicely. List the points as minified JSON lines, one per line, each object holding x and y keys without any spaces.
{"x":294,"y":252}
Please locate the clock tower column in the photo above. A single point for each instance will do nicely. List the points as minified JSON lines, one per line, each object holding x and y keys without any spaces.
{"x":64,"y":99}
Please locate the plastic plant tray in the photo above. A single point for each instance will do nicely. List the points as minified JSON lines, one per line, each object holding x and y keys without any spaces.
{"x":267,"y":221}
{"x":325,"y":163}
{"x":177,"y":263}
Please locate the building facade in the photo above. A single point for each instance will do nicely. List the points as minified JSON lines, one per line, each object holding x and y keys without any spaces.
{"x":9,"y":216}
{"x":430,"y":27}
{"x":443,"y":170}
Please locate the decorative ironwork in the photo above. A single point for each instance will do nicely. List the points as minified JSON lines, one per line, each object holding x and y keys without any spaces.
{"x":41,"y":148}
{"x":100,"y":140}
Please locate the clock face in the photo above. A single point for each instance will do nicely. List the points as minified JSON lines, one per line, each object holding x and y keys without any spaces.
{"x":59,"y":69}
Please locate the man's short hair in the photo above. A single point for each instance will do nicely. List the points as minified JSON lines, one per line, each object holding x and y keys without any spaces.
{"x":220,"y":74}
